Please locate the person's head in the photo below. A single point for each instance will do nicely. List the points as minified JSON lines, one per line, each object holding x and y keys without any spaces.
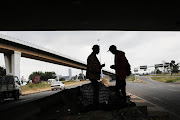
{"x":95,"y":49}
{"x":112,"y":49}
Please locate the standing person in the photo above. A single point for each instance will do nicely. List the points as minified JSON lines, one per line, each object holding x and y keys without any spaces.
{"x":93,"y":72}
{"x":122,"y":69}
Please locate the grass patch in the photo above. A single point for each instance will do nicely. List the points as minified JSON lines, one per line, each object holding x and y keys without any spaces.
{"x":166,"y":79}
{"x":174,"y":74}
{"x":130,"y":78}
{"x":73,"y":82}
{"x":133,"y":79}
{"x":35,"y":87}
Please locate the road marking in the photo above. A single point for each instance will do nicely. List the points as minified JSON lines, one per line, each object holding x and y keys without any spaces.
{"x":173,"y":90}
{"x":156,"y":105}
{"x":158,"y":99}
{"x":152,"y":87}
{"x":171,"y":85}
{"x":25,"y":100}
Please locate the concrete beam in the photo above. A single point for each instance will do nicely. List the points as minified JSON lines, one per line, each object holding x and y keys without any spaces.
{"x":12,"y":63}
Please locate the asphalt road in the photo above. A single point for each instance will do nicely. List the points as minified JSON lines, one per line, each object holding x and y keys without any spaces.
{"x":164,"y":95}
{"x":10,"y":102}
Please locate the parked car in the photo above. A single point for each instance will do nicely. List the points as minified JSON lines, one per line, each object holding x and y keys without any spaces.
{"x":57,"y":85}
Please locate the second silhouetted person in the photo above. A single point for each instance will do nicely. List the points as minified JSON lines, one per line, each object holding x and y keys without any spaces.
{"x":122,"y":69}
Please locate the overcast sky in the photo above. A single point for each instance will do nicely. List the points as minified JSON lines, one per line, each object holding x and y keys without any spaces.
{"x":141,"y":47}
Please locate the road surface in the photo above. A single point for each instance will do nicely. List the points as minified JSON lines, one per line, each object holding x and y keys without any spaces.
{"x":9,"y":103}
{"x":164,"y":95}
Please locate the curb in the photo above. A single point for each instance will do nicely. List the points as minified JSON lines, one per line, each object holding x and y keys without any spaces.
{"x":177,"y":82}
{"x":35,"y":92}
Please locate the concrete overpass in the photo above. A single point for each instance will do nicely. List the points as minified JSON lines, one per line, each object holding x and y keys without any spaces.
{"x":14,"y":49}
{"x":90,"y":15}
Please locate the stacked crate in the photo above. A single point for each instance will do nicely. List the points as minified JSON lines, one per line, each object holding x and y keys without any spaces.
{"x":87,"y":94}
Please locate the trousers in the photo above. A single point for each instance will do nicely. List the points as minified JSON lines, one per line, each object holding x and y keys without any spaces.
{"x":120,"y":85}
{"x":95,"y":84}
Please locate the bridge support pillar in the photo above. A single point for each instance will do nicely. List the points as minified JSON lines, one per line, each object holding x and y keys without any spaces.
{"x":12,"y":63}
{"x":82,"y":74}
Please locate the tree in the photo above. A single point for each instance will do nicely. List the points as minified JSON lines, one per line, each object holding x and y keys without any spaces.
{"x":62,"y":79}
{"x":81,"y":76}
{"x":158,"y":71}
{"x":174,"y":67}
{"x":49,"y":75}
{"x":2,"y":71}
{"x":74,"y":77}
{"x":40,"y":73}
{"x":43,"y":76}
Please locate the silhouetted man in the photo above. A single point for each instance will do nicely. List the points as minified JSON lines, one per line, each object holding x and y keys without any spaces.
{"x":93,"y":72}
{"x":120,"y":68}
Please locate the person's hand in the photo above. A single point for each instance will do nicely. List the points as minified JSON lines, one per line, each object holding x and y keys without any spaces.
{"x":112,"y":66}
{"x":103,"y":65}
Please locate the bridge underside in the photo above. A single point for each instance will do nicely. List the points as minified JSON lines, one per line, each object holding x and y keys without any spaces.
{"x":10,"y":50}
{"x":79,"y":15}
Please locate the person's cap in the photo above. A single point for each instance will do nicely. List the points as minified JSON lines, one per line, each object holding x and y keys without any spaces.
{"x":111,"y":47}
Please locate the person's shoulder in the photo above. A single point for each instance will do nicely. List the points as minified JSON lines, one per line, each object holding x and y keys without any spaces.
{"x":120,"y":52}
{"x":91,"y":55}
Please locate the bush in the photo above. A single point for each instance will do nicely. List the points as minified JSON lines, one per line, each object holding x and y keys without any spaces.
{"x":71,"y":81}
{"x":62,"y":79}
{"x":33,"y":86}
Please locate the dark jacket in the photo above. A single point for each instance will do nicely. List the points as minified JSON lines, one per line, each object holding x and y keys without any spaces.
{"x":121,"y":65}
{"x":93,"y":67}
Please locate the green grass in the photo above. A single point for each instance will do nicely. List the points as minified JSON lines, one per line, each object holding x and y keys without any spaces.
{"x":166,"y":79}
{"x":32,"y":86}
{"x":130,"y":78}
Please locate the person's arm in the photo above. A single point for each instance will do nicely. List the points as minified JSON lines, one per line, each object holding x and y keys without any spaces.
{"x":103,"y":65}
{"x":113,"y":66}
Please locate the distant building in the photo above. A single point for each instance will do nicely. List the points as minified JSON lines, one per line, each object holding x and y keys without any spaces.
{"x":23,"y":81}
{"x":66,"y":77}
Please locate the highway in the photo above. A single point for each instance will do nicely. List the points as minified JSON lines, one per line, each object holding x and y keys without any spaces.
{"x":164,"y":95}
{"x":10,"y":103}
